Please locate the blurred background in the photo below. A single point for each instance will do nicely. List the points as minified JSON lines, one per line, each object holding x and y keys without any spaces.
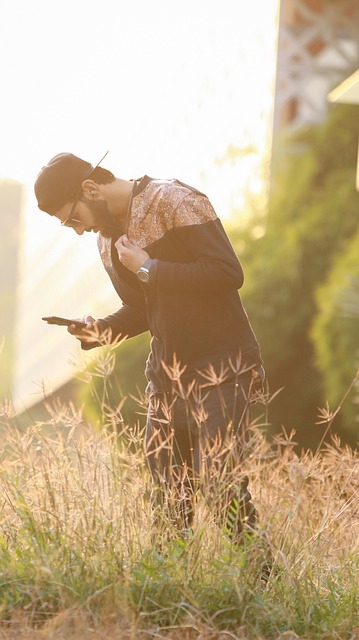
{"x":256,"y":104}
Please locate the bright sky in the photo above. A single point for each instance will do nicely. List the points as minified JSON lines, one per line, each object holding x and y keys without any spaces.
{"x":165,"y":86}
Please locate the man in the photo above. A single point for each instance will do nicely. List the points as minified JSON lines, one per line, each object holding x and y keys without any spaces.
{"x":177,"y":276}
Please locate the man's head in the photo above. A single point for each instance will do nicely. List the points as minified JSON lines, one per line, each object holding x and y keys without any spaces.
{"x":66,"y":182}
{"x":60,"y":181}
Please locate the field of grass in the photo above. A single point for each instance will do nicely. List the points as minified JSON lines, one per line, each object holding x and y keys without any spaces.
{"x":80,"y":556}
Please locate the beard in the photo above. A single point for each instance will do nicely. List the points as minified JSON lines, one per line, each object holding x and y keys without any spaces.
{"x":108,"y":225}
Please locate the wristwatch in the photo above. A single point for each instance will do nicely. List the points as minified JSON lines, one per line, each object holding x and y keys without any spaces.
{"x":143,"y":273}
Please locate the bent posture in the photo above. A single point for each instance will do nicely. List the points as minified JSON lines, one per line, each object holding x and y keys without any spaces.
{"x":177,"y":275}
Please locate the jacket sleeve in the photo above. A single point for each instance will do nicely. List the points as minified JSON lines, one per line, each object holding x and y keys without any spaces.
{"x":213,"y":263}
{"x":127,"y":322}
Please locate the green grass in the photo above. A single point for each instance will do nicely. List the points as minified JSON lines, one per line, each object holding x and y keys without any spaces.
{"x":77,"y":535}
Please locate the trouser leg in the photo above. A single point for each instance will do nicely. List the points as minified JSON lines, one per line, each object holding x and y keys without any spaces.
{"x":198,"y":441}
{"x":221,"y":447}
{"x":169,"y":450}
{"x":241,"y":515}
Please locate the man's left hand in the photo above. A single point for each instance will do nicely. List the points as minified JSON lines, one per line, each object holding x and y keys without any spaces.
{"x":131,"y":256}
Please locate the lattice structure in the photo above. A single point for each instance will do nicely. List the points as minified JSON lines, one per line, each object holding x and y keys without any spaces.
{"x":318,"y":46}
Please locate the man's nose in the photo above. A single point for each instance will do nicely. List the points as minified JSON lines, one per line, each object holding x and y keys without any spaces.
{"x":79,"y":230}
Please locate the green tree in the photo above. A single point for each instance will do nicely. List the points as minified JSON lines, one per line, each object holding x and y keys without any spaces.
{"x":336,"y":329}
{"x":312,"y":216}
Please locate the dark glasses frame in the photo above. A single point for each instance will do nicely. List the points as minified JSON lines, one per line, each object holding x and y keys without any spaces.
{"x":70,"y":220}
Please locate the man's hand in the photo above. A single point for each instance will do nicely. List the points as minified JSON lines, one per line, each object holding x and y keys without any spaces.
{"x":87,"y":333}
{"x":131,"y":256}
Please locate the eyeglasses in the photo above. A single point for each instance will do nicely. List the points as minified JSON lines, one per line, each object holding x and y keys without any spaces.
{"x":70,"y":220}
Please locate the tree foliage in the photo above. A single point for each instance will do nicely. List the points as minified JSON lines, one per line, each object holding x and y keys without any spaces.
{"x":336,"y":327}
{"x":293,"y":275}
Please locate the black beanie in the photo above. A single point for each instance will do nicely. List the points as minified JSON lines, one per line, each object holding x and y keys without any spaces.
{"x":60,"y":181}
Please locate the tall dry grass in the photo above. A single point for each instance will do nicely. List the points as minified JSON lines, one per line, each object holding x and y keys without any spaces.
{"x":78,"y":542}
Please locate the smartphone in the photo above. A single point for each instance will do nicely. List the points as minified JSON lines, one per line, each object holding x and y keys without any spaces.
{"x":64,"y":321}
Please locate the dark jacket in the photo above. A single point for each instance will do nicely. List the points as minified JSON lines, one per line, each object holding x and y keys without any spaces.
{"x":191,"y":304}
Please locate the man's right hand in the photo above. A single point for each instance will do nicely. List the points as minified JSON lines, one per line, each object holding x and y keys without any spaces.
{"x":88,"y":333}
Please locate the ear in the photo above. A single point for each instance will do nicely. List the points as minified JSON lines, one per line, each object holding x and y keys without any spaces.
{"x":91,"y":189}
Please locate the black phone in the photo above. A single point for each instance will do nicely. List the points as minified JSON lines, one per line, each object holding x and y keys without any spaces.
{"x":64,"y":321}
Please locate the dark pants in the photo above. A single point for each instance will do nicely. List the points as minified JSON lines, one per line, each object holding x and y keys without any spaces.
{"x":195,"y":439}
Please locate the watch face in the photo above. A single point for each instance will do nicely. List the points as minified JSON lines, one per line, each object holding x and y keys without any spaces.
{"x":143,"y":275}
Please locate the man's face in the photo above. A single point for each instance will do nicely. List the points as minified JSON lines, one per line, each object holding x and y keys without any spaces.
{"x":91,"y":215}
